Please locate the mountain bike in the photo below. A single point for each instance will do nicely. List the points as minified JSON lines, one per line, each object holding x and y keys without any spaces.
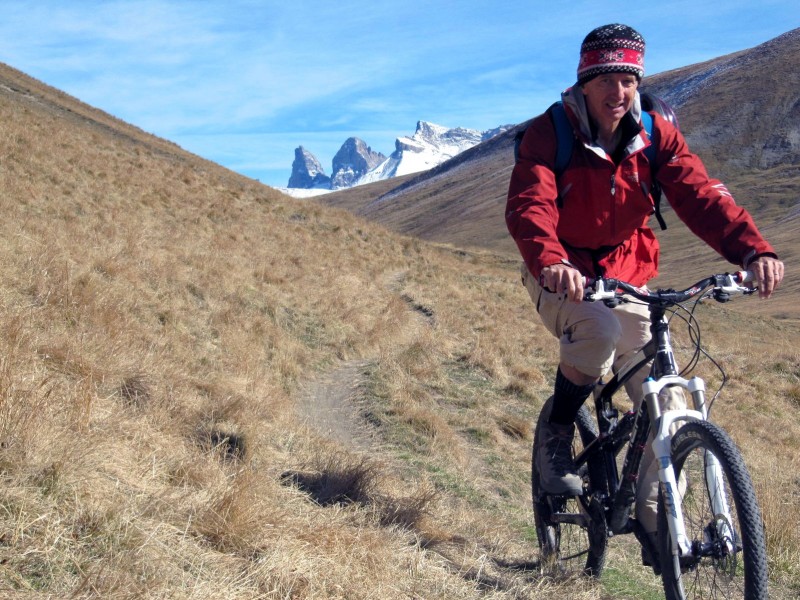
{"x":710,"y":538}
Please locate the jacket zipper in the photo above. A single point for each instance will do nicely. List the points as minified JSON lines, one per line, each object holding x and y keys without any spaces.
{"x":613,"y":203}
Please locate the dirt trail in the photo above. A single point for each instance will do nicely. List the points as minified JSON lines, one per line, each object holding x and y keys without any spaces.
{"x":332,"y":404}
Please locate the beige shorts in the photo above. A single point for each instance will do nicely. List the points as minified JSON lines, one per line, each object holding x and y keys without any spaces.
{"x":594,"y":338}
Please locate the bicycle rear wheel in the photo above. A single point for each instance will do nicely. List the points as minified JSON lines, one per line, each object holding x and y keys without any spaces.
{"x":572,"y":531}
{"x":728,"y":558}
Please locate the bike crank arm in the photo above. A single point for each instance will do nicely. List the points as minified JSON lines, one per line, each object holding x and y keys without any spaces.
{"x":570,"y":519}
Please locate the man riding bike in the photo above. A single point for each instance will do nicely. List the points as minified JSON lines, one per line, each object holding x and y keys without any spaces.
{"x":591,"y":220}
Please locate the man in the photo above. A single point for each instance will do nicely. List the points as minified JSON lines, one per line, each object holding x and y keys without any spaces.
{"x":591,"y":220}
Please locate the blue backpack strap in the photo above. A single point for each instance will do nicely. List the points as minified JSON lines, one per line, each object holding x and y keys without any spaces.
{"x":564,"y":136}
{"x":518,"y":143}
{"x":650,"y":153}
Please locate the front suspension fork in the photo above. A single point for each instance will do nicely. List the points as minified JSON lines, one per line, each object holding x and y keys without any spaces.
{"x":664,"y":422}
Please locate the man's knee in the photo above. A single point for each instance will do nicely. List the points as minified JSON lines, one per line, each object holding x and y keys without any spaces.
{"x":590,"y":346}
{"x":672,"y":398}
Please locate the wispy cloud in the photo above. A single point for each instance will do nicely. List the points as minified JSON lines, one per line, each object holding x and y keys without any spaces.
{"x":243,"y":82}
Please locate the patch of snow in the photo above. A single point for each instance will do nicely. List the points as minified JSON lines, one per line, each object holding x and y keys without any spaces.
{"x":303,"y":193}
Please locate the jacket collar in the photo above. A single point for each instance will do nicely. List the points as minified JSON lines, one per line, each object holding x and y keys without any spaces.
{"x":578,"y":114}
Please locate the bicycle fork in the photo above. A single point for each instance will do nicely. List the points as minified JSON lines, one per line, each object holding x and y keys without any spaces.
{"x":662,"y":442}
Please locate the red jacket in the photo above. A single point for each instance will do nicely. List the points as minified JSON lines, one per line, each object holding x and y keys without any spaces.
{"x":595,"y":216}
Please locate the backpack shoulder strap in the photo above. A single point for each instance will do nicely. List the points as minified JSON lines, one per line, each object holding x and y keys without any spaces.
{"x":650,"y":154}
{"x":518,"y":142}
{"x":650,"y":151}
{"x":564,"y":136}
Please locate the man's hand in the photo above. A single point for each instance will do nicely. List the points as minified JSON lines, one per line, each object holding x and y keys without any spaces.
{"x":769,"y":274}
{"x":563,"y":279}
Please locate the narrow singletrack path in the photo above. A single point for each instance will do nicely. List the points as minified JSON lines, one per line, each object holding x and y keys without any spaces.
{"x":332,"y":405}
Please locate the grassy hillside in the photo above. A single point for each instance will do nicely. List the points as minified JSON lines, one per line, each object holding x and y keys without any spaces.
{"x":211,"y":390}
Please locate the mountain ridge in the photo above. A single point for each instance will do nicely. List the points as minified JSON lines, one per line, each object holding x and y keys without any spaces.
{"x":356,"y":164}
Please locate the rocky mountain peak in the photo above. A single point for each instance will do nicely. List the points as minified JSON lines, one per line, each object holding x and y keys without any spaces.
{"x":437,"y":134}
{"x":307,"y":172}
{"x":353,"y":160}
{"x":429,"y":131}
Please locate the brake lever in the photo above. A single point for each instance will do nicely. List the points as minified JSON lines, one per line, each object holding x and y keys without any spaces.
{"x":729,"y":286}
{"x":600,"y":292}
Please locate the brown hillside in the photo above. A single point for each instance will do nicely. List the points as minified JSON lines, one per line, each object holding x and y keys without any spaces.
{"x":211,"y":390}
{"x":740,"y":112}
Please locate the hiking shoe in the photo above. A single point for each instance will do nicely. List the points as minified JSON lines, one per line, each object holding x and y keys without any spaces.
{"x":557,"y":473}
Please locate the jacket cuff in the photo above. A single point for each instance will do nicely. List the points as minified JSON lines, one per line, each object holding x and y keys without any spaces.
{"x":753,"y":255}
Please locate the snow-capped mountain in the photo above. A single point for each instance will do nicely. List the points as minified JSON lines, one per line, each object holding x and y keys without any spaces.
{"x":429,"y":146}
{"x":356,"y":163}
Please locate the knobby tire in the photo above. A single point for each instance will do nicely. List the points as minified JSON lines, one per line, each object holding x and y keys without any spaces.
{"x":741,"y":574}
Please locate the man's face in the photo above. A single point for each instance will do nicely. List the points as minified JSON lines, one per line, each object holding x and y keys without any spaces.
{"x":609,"y":97}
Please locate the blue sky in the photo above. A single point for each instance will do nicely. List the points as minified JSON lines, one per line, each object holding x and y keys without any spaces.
{"x":244,"y":82}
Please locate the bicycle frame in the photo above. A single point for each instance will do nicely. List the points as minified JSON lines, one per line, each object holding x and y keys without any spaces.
{"x":636,"y":427}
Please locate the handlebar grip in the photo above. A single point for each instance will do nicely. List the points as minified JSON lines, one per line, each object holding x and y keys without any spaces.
{"x":744,"y":276}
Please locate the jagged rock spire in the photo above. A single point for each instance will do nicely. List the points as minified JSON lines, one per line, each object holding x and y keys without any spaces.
{"x":307,"y":172}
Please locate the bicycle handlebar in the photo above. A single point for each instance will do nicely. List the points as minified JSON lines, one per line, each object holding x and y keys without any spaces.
{"x":723,"y":286}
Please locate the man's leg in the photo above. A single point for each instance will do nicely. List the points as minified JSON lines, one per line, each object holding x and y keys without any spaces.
{"x":557,"y":473}
{"x":588,"y":333}
{"x":647,"y":490}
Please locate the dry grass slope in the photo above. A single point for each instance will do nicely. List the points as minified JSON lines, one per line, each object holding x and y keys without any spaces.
{"x":161,"y":321}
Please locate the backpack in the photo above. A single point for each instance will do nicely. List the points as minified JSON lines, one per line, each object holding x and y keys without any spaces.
{"x":565,"y":139}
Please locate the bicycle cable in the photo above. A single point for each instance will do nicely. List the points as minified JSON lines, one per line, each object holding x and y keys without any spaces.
{"x":687,"y":315}
{"x":695,"y":331}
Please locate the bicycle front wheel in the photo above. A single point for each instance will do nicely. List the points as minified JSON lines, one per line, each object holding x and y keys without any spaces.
{"x":722,"y":520}
{"x":571,"y":530}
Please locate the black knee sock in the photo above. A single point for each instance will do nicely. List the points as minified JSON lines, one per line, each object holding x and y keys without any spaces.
{"x":568,"y":399}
